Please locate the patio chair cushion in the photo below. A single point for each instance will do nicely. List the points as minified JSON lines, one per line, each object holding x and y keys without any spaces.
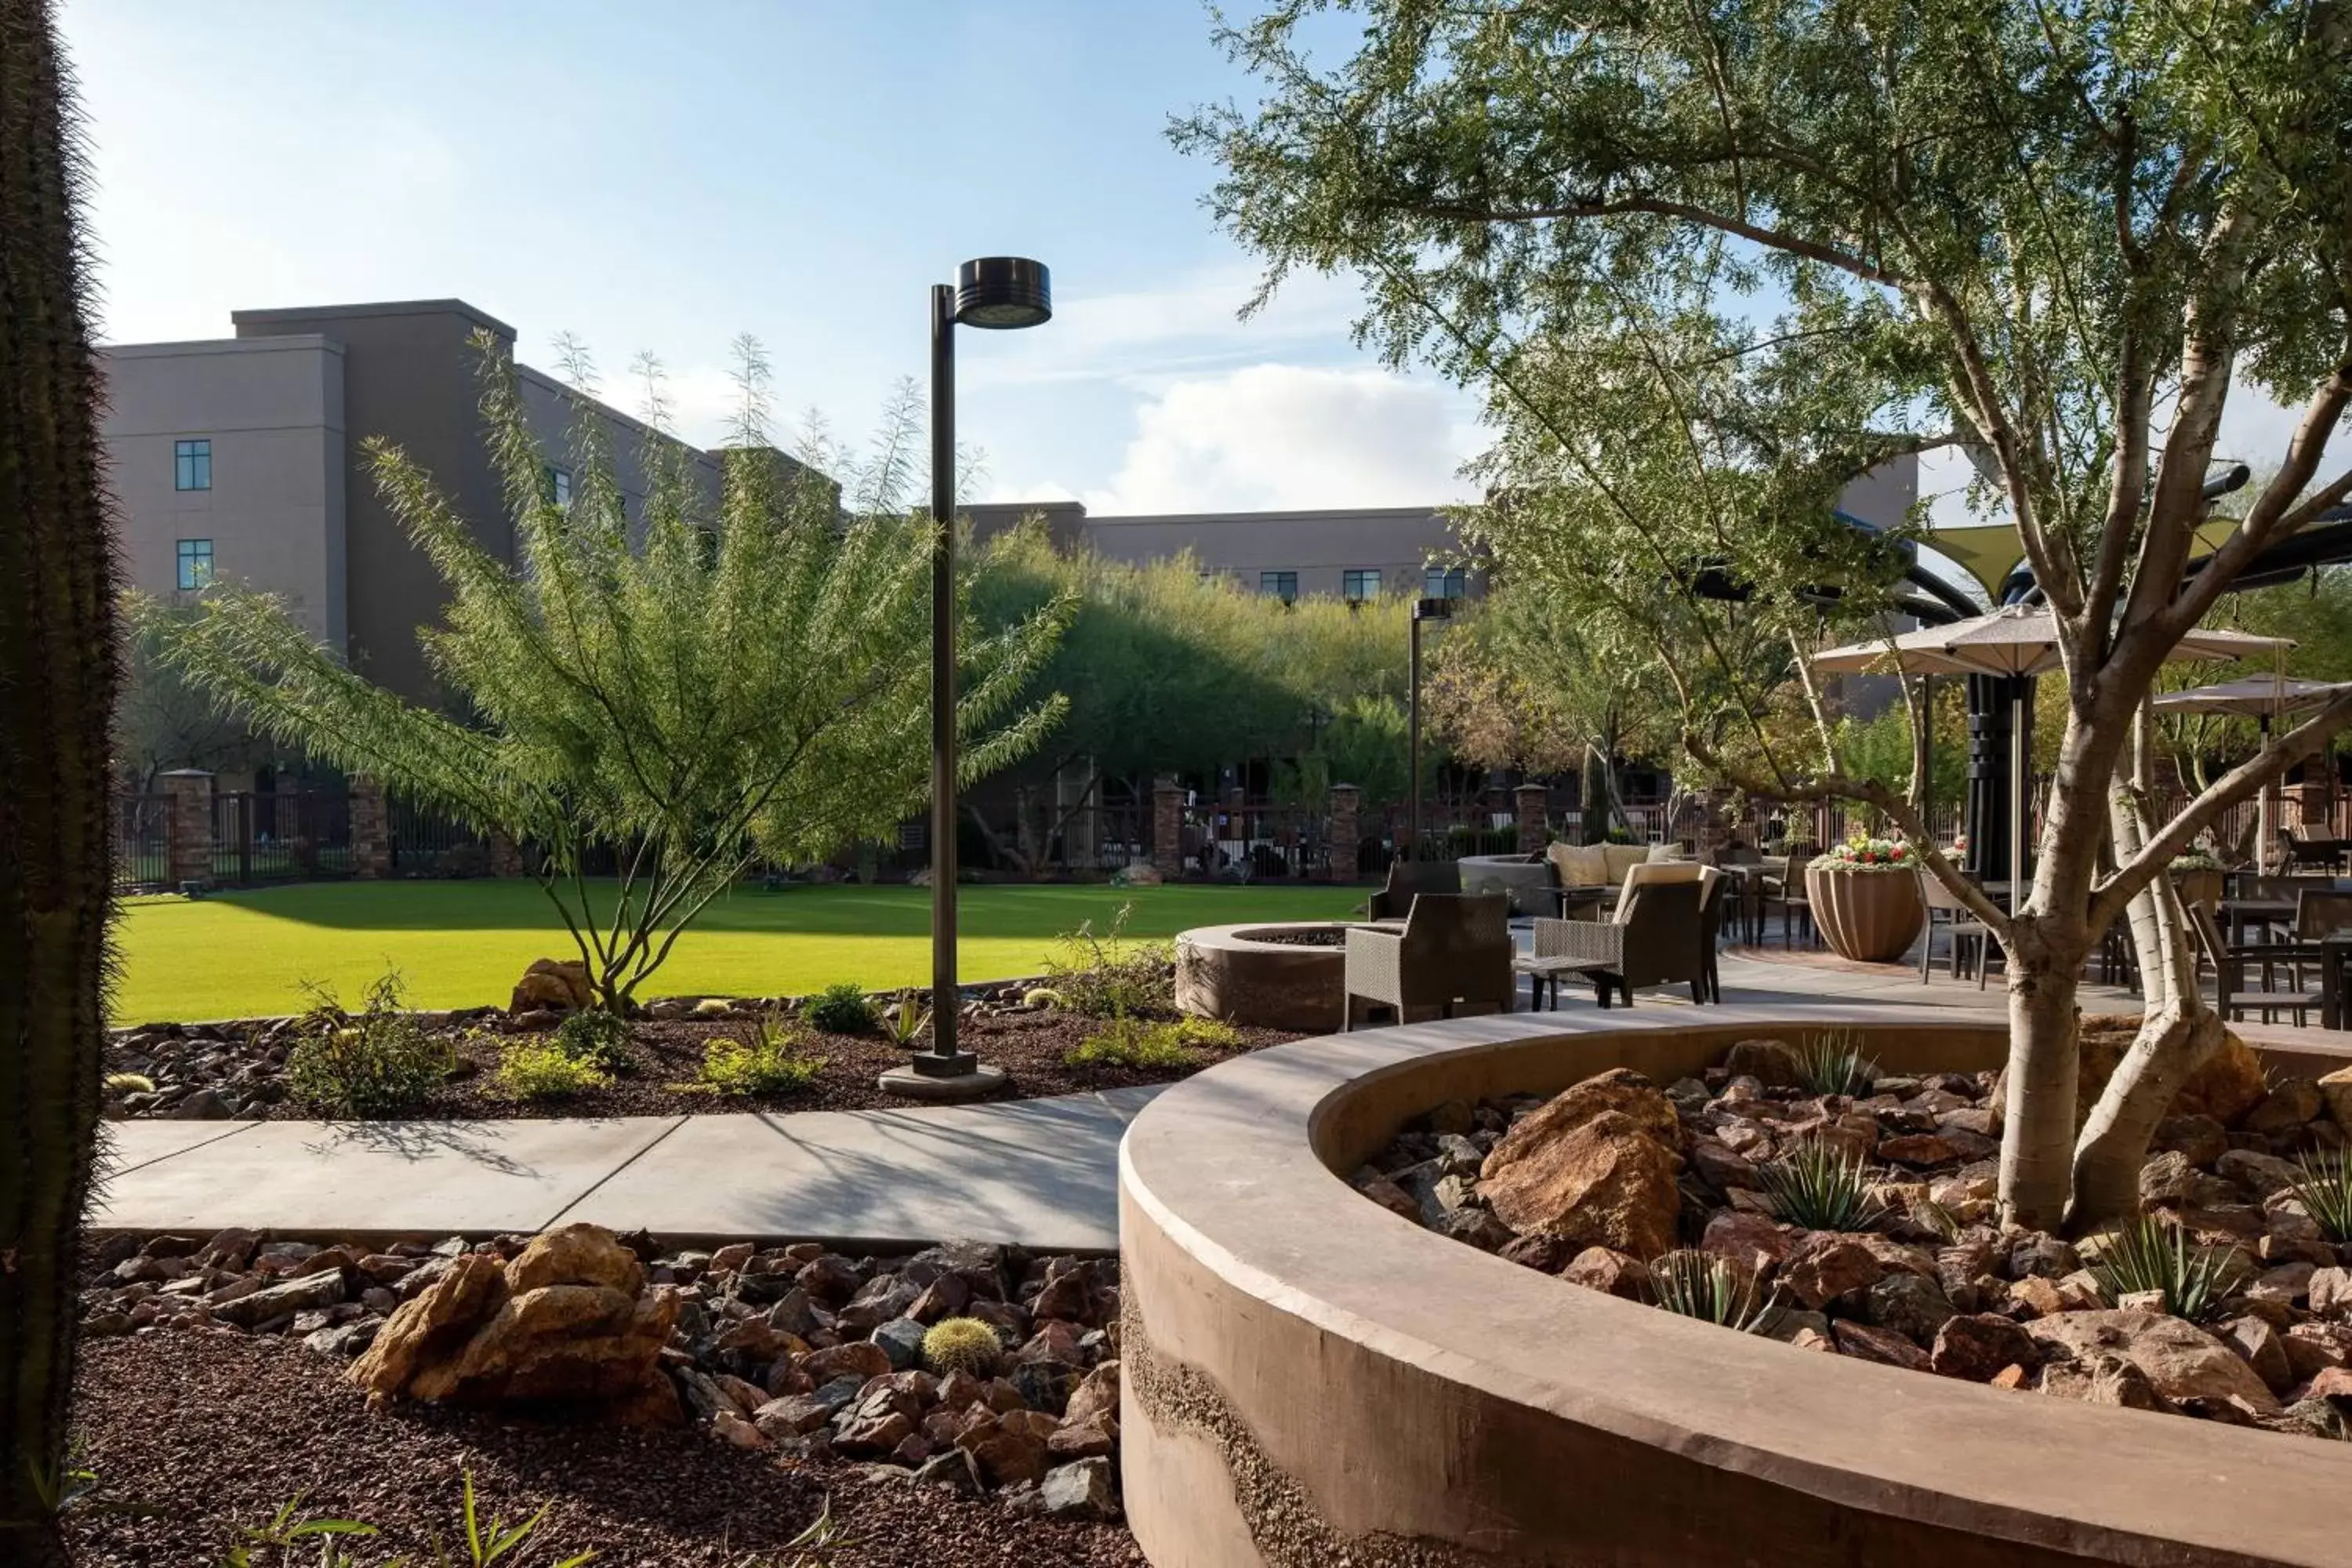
{"x":1663,"y":855}
{"x":1581,"y":865}
{"x":1621,"y":859}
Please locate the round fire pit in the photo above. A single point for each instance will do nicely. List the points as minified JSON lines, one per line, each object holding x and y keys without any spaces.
{"x":1286,"y":976}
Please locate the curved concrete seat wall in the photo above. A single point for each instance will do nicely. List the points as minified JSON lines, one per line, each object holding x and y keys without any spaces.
{"x":1310,"y":1379}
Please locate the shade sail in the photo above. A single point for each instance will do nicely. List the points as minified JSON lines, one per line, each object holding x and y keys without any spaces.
{"x":2018,"y":639}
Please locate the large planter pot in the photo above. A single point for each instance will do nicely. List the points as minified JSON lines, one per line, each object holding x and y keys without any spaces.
{"x":1869,"y":916}
{"x":2200,"y":886}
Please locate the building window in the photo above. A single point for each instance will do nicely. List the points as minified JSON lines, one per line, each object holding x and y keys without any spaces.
{"x":1440,"y":582}
{"x":192,"y":465}
{"x":1283,"y":585}
{"x":555,"y":486}
{"x":1361,"y":582}
{"x":195,"y":565}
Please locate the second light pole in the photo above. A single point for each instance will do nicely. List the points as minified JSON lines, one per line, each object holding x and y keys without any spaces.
{"x":1422,"y":610}
{"x":1000,"y":293}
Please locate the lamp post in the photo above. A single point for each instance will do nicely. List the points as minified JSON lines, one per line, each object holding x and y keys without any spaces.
{"x":998,"y":293}
{"x":1422,"y":610}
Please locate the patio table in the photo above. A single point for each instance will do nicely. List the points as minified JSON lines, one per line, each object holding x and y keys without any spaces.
{"x":2334,"y":970}
{"x":2242,"y":912}
{"x":1542,"y":971}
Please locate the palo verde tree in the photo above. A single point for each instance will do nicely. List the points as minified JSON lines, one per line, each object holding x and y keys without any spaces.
{"x":1710,"y":261}
{"x":57,"y":587}
{"x":690,"y":683}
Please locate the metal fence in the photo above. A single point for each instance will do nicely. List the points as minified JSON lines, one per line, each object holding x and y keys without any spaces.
{"x":142,"y":841}
{"x":279,"y":835}
{"x":423,"y":842}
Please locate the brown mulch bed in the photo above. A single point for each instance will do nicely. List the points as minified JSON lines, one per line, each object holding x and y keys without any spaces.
{"x":664,"y":1055}
{"x":217,"y":1429}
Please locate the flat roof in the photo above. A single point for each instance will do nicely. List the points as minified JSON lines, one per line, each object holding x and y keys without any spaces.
{"x":375,"y":308}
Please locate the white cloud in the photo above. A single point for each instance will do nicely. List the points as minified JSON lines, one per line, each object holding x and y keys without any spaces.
{"x":1284,"y":435}
{"x":1150,"y":338}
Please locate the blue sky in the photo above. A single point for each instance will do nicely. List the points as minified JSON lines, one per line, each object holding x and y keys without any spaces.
{"x":664,"y":178}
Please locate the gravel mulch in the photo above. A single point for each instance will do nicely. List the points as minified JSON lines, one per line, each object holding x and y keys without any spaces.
{"x":216,"y":1429}
{"x":242,"y":1066}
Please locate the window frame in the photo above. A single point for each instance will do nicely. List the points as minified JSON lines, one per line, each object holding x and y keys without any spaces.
{"x":1445,"y":583}
{"x":192,"y":460}
{"x":187,"y":575}
{"x":555,"y":486}
{"x":1278,"y":584}
{"x":1360,"y":585}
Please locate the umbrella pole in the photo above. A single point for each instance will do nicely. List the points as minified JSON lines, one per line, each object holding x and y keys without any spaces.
{"x":2021,"y":781}
{"x":2265,"y":813}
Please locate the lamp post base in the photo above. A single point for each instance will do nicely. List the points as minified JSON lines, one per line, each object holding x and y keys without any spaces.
{"x":968,"y":1078}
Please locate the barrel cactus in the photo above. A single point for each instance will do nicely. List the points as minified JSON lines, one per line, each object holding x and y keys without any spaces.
{"x":57,"y":679}
{"x":962,"y":1344}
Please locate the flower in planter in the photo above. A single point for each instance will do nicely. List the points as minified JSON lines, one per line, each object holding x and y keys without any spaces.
{"x":1871,"y":855}
{"x":2198,"y":859}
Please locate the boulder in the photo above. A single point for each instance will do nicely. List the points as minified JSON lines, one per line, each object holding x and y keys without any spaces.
{"x":1753,"y":1241}
{"x":1977,"y":1347}
{"x":2226,"y":1087}
{"x":1605,"y":1179}
{"x":1882,"y":1346}
{"x":575,"y":1255}
{"x":2335,"y":1088}
{"x":1619,"y":1090}
{"x":2293,"y":1102}
{"x":552,"y":984}
{"x":2259,"y":1346}
{"x":1910,"y":1305}
{"x":1079,"y":1490}
{"x":2103,"y":1378}
{"x":1611,"y":1272}
{"x":2200,"y":1138}
{"x":256,"y":1308}
{"x":1775,"y":1064}
{"x":2181,"y":1359}
{"x":433,"y":1324}
{"x":2330,"y":1292}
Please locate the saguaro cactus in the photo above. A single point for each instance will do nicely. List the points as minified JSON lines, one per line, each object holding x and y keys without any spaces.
{"x":58,"y":585}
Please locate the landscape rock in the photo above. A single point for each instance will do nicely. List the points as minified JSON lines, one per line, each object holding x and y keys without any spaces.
{"x":2293,"y":1102}
{"x":257,"y":1307}
{"x":2181,"y":1359}
{"x":1750,"y":1240}
{"x":1602,"y":1179}
{"x":1882,"y":1346}
{"x":2335,"y":1088}
{"x":1977,"y":1347}
{"x":2103,"y":1378}
{"x":1775,"y":1064}
{"x":2230,"y":1084}
{"x":1079,"y":1490}
{"x":1611,"y":1272}
{"x":553,"y":985}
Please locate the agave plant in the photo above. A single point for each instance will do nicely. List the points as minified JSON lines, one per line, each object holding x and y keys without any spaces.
{"x":1833,"y":1063}
{"x":2325,"y":1186}
{"x":1821,"y":1187}
{"x":2150,"y":1254}
{"x":1694,"y":1284}
{"x":906,"y":1021}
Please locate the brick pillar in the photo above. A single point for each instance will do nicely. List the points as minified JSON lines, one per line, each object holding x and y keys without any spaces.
{"x":188,"y":828}
{"x":506,"y":856}
{"x":1529,"y":803}
{"x":371,"y":828}
{"x":1167,"y":828}
{"x":1346,"y":831}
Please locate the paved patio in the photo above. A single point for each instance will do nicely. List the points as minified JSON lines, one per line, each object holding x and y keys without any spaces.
{"x":1039,"y":1172}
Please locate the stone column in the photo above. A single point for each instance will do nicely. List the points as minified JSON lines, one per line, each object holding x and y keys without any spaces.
{"x":371,"y":828}
{"x":1528,"y":803}
{"x":1346,"y":832}
{"x":1167,"y":828}
{"x":188,"y":827}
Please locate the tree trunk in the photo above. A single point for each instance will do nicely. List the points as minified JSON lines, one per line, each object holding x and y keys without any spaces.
{"x":2038,"y":1141}
{"x":58,"y":671}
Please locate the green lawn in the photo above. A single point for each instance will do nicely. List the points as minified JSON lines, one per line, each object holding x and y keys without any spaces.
{"x":462,"y":943}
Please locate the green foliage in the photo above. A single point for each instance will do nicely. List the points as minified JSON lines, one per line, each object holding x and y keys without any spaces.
{"x":2150,"y":1255}
{"x":541,"y":1070}
{"x":129,"y":1083}
{"x":1833,"y":1062}
{"x":1700,"y":1285}
{"x":1131,"y":1042}
{"x":1043,"y":999}
{"x":908,"y":1020}
{"x":2323,"y":1183}
{"x":962,"y":1344}
{"x":596,"y":1039}
{"x":705,"y":684}
{"x":841,"y":1008}
{"x":815,"y":1546}
{"x":772,"y":1061}
{"x":378,"y":1062}
{"x":1109,"y":976}
{"x":482,"y":1545}
{"x":1820,"y":1187}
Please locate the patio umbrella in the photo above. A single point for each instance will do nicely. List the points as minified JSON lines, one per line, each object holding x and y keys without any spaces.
{"x":2265,"y":699}
{"x":2016,"y":639}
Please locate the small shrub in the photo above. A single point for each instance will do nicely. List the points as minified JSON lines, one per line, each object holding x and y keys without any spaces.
{"x":596,"y":1039}
{"x":2325,"y":1186}
{"x":771,"y":1062}
{"x":1833,"y":1063}
{"x":962,"y":1344}
{"x":2150,"y":1254}
{"x":1694,"y":1284}
{"x":290,"y":1535}
{"x":1043,"y":999}
{"x":378,"y":1063}
{"x":1208,"y":1033}
{"x":906,"y":1021}
{"x":1822,"y":1189}
{"x":129,"y":1083}
{"x":840,"y":1008}
{"x":713,"y":1007}
{"x":1106,"y":976}
{"x":540,"y":1069}
{"x":1134,"y":1042}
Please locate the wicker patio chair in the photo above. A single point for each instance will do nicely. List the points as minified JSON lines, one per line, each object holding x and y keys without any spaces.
{"x":1652,"y":940}
{"x":1455,"y":948}
{"x":1408,"y":877}
{"x":1788,"y":891}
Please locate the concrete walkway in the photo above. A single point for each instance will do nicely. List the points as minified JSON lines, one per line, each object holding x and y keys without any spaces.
{"x":1035,"y":1172}
{"x":1040,"y":1173}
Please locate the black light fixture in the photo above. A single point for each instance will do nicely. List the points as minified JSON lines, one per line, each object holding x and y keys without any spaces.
{"x":999,"y":293}
{"x":1422,"y":610}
